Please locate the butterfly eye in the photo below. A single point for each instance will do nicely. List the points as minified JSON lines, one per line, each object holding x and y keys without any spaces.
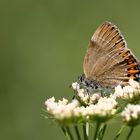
{"x":96,"y":87}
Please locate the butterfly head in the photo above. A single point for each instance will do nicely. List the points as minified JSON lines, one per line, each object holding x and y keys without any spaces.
{"x":87,"y":83}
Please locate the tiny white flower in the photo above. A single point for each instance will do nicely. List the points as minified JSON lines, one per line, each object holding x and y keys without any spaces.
{"x":128,"y":89}
{"x":131,"y":114}
{"x":90,"y":109}
{"x":61,"y":110}
{"x":94,"y":98}
{"x":105,"y":108}
{"x":64,"y":101}
{"x":118,"y":91}
{"x":75,"y":86}
{"x":83,"y":111}
{"x":134,"y":84}
{"x":50,"y":100}
{"x":130,"y":92}
{"x":72,"y":104}
{"x":83,"y":96}
{"x":81,"y":92}
{"x":107,"y":102}
{"x":77,"y":111}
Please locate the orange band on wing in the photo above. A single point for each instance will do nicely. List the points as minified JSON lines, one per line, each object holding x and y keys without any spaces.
{"x":132,"y":65}
{"x":132,"y":77}
{"x":133,"y":71}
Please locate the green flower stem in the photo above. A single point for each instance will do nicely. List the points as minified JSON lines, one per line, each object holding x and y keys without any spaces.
{"x":67,"y":132}
{"x":85,"y":132}
{"x":77,"y":132}
{"x":64,"y":131}
{"x":130,"y":133}
{"x":87,"y":129}
{"x":96,"y":130}
{"x":119,"y":133}
{"x":102,"y":132}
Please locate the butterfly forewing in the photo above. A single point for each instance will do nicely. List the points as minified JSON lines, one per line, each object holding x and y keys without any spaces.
{"x":108,"y":60}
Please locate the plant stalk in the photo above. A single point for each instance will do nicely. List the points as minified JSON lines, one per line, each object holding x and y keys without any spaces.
{"x":130,"y":133}
{"x":85,"y":132}
{"x":119,"y":133}
{"x":77,"y":132}
{"x":96,"y":130}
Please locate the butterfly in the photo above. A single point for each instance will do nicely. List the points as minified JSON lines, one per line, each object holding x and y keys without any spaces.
{"x":108,"y":62}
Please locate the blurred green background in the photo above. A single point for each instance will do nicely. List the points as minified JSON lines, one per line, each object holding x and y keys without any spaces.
{"x":42,"y":45}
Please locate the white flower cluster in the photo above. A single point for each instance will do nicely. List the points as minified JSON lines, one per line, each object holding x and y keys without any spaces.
{"x":85,"y":97}
{"x":131,"y":114}
{"x":129,"y":92}
{"x":89,"y":107}
{"x":63,"y":110}
{"x":103,"y":110}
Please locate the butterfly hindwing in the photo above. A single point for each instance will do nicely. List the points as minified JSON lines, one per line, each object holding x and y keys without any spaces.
{"x":108,"y":60}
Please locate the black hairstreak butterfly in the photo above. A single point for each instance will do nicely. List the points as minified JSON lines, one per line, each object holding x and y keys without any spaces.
{"x":108,"y":62}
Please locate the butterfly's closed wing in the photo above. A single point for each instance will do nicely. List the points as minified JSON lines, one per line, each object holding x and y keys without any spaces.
{"x":108,"y":60}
